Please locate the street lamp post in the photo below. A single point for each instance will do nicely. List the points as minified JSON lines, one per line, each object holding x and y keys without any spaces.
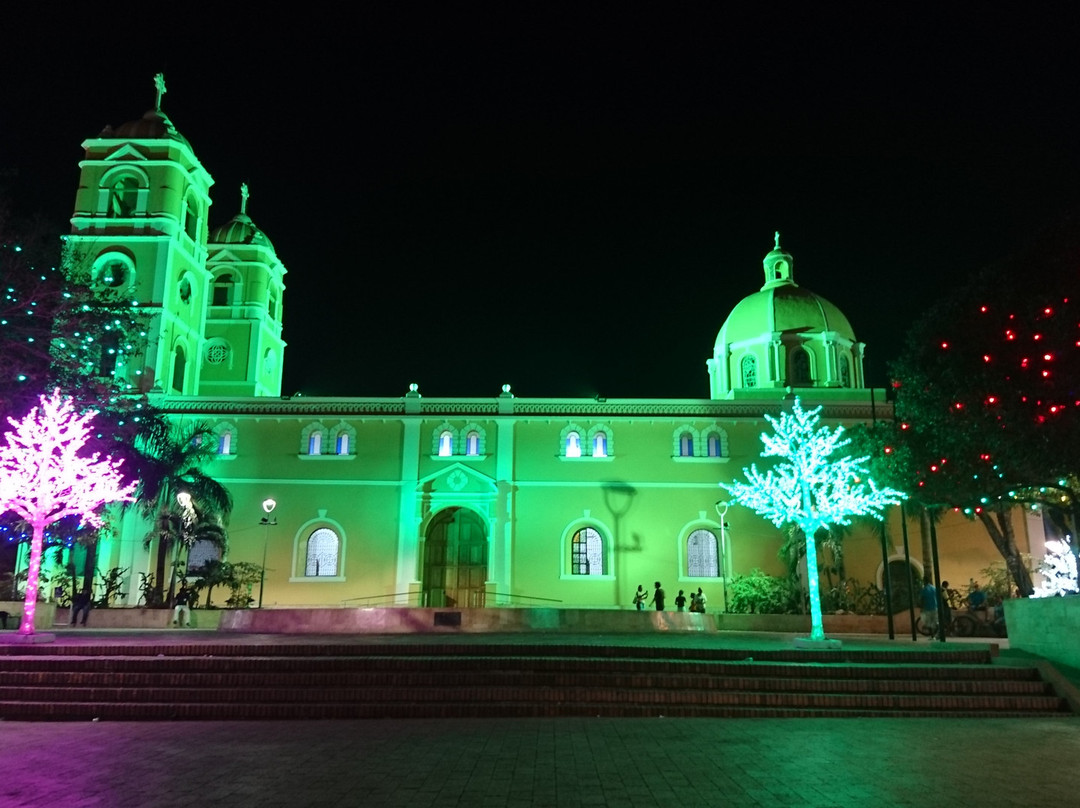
{"x":721,"y":510}
{"x":267,"y":506}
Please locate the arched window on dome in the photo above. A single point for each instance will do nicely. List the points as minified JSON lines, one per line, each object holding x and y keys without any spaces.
{"x":587,"y":552}
{"x":748,"y":370}
{"x":800,"y":368}
{"x":845,"y":371}
{"x":686,"y":445}
{"x":701,"y":555}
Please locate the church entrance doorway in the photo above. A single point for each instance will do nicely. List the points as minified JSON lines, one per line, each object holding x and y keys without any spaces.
{"x":455,"y":560}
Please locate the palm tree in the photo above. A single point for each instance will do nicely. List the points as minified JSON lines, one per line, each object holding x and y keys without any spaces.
{"x":178,"y":530}
{"x":171,"y":457}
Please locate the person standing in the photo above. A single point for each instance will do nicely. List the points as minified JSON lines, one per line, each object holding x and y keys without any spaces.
{"x":80,"y":603}
{"x":701,"y":600}
{"x":929,"y":616}
{"x":640,"y":597}
{"x":181,"y":611}
{"x":680,"y":601}
{"x":944,"y":608}
{"x":658,"y":597}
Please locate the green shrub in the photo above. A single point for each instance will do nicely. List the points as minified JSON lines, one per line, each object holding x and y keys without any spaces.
{"x":758,"y":593}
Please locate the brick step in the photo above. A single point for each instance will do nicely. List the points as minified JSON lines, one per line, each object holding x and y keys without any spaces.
{"x":935,"y":655}
{"x":10,"y":682}
{"x":71,"y":711}
{"x":566,"y":694}
{"x":220,"y":664}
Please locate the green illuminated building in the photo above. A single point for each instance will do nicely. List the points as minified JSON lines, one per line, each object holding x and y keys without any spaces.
{"x":494,"y":500}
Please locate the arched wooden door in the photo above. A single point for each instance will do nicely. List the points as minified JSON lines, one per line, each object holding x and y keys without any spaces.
{"x":455,"y":560}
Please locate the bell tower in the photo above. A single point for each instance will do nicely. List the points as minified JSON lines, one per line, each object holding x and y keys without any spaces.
{"x":140,"y":228}
{"x":244,"y":345}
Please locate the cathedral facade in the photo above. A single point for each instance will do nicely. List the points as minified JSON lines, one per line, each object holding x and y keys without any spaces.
{"x":495,"y":500}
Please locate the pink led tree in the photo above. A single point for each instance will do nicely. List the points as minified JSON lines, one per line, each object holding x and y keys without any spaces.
{"x":43,"y":479}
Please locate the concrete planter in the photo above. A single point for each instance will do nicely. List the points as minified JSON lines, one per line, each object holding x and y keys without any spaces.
{"x":142,"y":618}
{"x":44,"y":614}
{"x":1048,"y":627}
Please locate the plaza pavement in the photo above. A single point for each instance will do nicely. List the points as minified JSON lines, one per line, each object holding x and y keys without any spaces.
{"x":631,"y":763}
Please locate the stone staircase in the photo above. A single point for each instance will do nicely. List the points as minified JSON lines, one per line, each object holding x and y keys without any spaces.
{"x":195,"y":681}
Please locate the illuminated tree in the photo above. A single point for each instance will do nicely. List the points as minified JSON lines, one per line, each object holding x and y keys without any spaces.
{"x":818,"y":487}
{"x":44,"y":478}
{"x":61,"y":328}
{"x":987,"y":398}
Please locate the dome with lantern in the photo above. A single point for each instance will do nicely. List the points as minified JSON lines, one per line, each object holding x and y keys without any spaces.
{"x":783,"y":337}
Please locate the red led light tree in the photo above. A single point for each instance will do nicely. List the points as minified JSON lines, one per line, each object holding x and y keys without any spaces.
{"x":44,"y":478}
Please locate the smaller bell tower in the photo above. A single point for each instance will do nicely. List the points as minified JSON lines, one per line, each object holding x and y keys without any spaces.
{"x":244,"y":346}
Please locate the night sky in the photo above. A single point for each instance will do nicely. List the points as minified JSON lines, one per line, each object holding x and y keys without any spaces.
{"x":572,"y":198}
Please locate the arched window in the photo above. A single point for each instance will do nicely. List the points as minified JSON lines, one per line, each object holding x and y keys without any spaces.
{"x":472,"y":443}
{"x":315,"y":443}
{"x":587,"y":553}
{"x":123,"y":198}
{"x":224,"y":442}
{"x":686,"y":445}
{"x":845,"y":371}
{"x":446,"y":443}
{"x":599,"y":444}
{"x":713,"y":445}
{"x":701,"y":557}
{"x":179,"y":366}
{"x":800,"y":367}
{"x":191,"y":220}
{"x":748,"y":369}
{"x":573,"y":444}
{"x":322,"y":554}
{"x":343,"y":444}
{"x":223,"y":289}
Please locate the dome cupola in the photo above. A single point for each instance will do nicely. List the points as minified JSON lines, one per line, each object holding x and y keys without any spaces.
{"x":783,"y":336}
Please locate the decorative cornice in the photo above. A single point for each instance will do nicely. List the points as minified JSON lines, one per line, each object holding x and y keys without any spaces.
{"x":522,"y":408}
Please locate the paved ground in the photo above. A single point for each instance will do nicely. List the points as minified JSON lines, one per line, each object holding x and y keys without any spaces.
{"x":672,"y":763}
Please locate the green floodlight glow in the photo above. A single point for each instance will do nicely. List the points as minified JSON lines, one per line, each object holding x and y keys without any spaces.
{"x":814,"y":489}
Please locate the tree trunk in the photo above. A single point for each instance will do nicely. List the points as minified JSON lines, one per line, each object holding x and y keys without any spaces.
{"x":33,"y":574}
{"x":159,"y":571}
{"x":91,"y":566}
{"x":999,"y":526}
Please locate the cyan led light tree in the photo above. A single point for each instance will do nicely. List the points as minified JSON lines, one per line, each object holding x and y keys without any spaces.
{"x":43,"y":478}
{"x":816,"y":487}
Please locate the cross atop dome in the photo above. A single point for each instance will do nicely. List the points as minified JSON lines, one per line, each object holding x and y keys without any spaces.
{"x":159,"y":85}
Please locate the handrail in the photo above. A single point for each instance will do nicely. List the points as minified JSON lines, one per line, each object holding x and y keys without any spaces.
{"x":487,"y":594}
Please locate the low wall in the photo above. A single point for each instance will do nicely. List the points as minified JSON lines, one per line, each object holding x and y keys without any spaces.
{"x":44,"y":614}
{"x":800,"y":623}
{"x":1047,"y":627}
{"x":141,"y":618}
{"x":398,"y":620}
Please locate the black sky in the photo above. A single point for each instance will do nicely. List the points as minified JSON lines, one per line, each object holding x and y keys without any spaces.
{"x":572,"y":198}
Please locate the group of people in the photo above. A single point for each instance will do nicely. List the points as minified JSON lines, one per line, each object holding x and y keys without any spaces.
{"x":641,"y":599}
{"x":936,"y":610}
